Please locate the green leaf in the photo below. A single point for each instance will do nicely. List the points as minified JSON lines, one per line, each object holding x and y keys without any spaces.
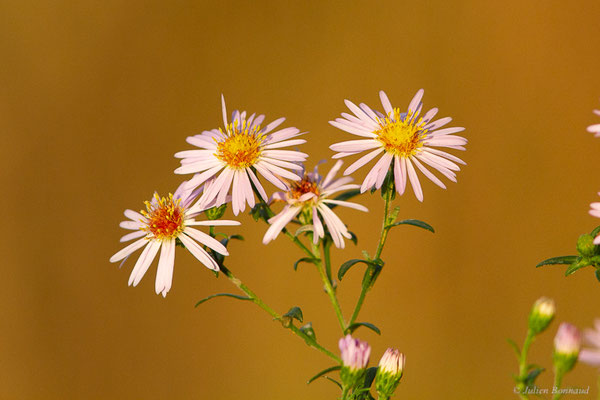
{"x":370,"y":377}
{"x":598,"y":274}
{"x":235,"y":296}
{"x":532,"y":375}
{"x":564,"y":260}
{"x":325,"y":371}
{"x":308,"y":331}
{"x":294,"y":313}
{"x":353,"y":238}
{"x":345,"y":196}
{"x":334,"y":381}
{"x":574,"y":267}
{"x":413,"y":222}
{"x":369,"y":325}
{"x":515,"y":347}
{"x":236,"y":237}
{"x":306,"y":260}
{"x":349,"y":264}
{"x":596,"y":231}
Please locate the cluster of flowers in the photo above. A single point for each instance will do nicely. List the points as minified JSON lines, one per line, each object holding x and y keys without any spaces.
{"x":355,"y":359}
{"x":229,"y":160}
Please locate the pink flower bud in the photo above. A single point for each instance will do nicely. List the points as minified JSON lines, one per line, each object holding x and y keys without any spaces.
{"x":392,"y":362}
{"x":355,"y":353}
{"x":567,"y":340}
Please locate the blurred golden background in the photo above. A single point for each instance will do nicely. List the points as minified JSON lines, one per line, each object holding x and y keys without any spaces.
{"x":97,"y":97}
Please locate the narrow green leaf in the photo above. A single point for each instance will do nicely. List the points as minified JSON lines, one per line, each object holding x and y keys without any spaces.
{"x":598,"y":274}
{"x":370,"y":377}
{"x":345,"y":196}
{"x":334,"y":381}
{"x":294,"y":313}
{"x":564,"y":260}
{"x":235,"y":296}
{"x":236,"y":237}
{"x":325,"y":371}
{"x":515,"y":347}
{"x":532,"y":375}
{"x":596,"y":231}
{"x":574,"y":267}
{"x":348,"y":264}
{"x":413,"y":222}
{"x":306,"y":260}
{"x":353,"y":238}
{"x":369,"y":325}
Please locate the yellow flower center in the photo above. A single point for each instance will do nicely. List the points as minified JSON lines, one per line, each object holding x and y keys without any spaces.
{"x":241,"y":147}
{"x":401,"y":137}
{"x":165,"y":217}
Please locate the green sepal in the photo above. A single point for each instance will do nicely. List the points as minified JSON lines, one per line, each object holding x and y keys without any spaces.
{"x":389,"y":184}
{"x":353,"y":238}
{"x":413,"y":222}
{"x":532,"y":375}
{"x":261,"y":211}
{"x":293,"y":313}
{"x":306,"y":260}
{"x":357,"y":325}
{"x":308,"y":330}
{"x":349,"y":264}
{"x":325,"y":371}
{"x":563,"y":260}
{"x":212,"y":296}
{"x":179,"y":243}
{"x":598,"y":274}
{"x":595,"y":232}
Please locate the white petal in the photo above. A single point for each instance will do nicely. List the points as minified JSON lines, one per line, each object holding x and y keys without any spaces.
{"x":126,"y":251}
{"x":143,"y":263}
{"x":199,"y":252}
{"x":206,"y":240}
{"x":164,"y":272}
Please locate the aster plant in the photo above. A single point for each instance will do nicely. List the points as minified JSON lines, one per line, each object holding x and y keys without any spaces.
{"x":234,"y":165}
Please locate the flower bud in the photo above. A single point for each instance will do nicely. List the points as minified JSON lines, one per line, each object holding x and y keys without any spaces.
{"x":389,"y":373}
{"x":567,"y":344}
{"x":586,"y":246}
{"x":355,"y":357}
{"x":541,"y":315}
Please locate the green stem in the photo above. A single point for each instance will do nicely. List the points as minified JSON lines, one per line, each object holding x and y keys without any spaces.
{"x":523,"y":364}
{"x":316,"y":254}
{"x":256,"y":300}
{"x":382,"y":238}
{"x":558,"y":376}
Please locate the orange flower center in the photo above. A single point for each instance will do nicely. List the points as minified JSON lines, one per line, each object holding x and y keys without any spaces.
{"x":241,"y":147}
{"x":401,"y":137}
{"x":165,"y":217}
{"x":303,"y":186}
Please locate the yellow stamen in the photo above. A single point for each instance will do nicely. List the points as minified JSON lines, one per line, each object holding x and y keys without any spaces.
{"x":401,"y":136}
{"x":241,"y":147}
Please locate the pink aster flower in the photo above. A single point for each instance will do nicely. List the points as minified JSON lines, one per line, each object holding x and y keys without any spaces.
{"x":595,"y":129}
{"x":165,"y":220}
{"x":242,"y":148}
{"x":355,"y":353}
{"x":404,"y":140}
{"x":310,"y":196}
{"x":591,"y":355}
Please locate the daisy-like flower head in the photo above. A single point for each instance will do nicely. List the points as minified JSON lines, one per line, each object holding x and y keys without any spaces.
{"x":406,"y":140}
{"x":166,"y":220}
{"x":309,"y":197}
{"x":237,"y":151}
{"x":591,"y":355}
{"x":595,"y":129}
